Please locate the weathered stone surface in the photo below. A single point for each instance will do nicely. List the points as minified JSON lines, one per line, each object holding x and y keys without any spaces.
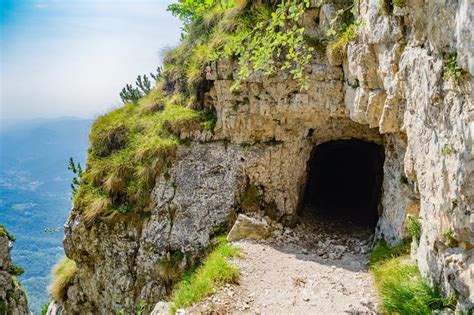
{"x":161,"y":308}
{"x":389,"y":90}
{"x":246,"y":227}
{"x":12,"y":297}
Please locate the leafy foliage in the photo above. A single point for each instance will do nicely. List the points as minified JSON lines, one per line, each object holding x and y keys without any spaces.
{"x":263,"y":37}
{"x":214,"y":272}
{"x":275,"y":42}
{"x":344,"y":28}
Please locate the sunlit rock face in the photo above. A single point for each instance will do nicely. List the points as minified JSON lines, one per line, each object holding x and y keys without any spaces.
{"x":12,"y":297}
{"x":388,"y":90}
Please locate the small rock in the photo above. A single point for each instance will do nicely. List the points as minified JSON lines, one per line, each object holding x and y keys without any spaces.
{"x":161,"y":308}
{"x":246,"y":227}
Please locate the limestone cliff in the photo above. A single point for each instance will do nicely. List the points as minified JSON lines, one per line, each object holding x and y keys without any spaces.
{"x":390,"y":86}
{"x":12,"y":297}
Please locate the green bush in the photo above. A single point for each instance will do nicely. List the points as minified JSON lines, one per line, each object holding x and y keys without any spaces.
{"x":213,"y":273}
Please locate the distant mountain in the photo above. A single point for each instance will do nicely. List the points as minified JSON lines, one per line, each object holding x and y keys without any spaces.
{"x":35,"y":193}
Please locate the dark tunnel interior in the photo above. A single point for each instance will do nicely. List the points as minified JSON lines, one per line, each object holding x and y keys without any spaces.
{"x":345,"y":180}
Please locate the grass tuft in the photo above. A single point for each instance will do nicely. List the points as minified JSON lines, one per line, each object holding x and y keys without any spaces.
{"x":400,"y":285}
{"x":383,"y":251}
{"x":213,"y":273}
{"x":63,"y":274}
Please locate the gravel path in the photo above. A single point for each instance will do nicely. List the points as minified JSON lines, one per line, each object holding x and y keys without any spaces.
{"x":317,"y":268}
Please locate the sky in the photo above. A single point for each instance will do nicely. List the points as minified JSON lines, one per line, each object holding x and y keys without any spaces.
{"x":72,"y":57}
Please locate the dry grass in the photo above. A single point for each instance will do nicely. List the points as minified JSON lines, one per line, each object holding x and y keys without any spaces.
{"x":97,"y":207}
{"x":63,"y":274}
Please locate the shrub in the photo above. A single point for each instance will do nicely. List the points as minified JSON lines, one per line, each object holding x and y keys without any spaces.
{"x":63,"y":275}
{"x":214,"y":272}
{"x":414,"y":227}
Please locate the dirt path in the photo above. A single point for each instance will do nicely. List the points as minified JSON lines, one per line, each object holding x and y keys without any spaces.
{"x":317,"y":268}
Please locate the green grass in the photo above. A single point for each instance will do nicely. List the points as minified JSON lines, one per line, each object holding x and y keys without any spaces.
{"x":400,"y":285}
{"x":213,"y":273}
{"x":63,"y":274}
{"x":130,"y":147}
{"x":4,"y":232}
{"x":383,"y":251}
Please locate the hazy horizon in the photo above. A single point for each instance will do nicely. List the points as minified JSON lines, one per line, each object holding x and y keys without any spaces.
{"x":72,"y":58}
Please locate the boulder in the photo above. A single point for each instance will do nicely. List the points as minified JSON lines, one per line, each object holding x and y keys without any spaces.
{"x":246,"y":227}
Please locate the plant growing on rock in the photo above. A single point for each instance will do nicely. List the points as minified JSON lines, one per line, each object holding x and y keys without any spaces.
{"x":344,"y":28}
{"x":77,"y":170}
{"x":400,"y":285}
{"x":451,"y":68}
{"x":4,"y":232}
{"x":449,"y":238}
{"x":414,"y":227}
{"x":63,"y":274}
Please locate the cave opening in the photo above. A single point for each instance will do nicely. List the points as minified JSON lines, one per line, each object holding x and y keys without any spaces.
{"x":344,"y":182}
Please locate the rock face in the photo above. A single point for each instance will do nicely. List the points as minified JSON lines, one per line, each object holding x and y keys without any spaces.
{"x":12,"y":297}
{"x":248,"y":228}
{"x":388,"y":89}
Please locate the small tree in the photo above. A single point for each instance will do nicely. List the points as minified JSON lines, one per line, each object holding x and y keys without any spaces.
{"x":130,"y":94}
{"x":77,"y":170}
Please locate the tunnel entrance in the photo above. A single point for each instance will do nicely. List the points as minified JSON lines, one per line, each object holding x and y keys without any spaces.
{"x":344,"y":182}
